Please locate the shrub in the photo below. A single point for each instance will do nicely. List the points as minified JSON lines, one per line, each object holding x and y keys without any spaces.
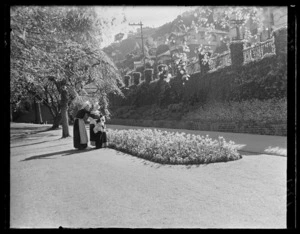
{"x":148,"y":75}
{"x":136,"y":77}
{"x":271,"y":110}
{"x":263,"y":79}
{"x":162,"y":67}
{"x":176,"y":107}
{"x":172,"y":148}
{"x":127,"y":80}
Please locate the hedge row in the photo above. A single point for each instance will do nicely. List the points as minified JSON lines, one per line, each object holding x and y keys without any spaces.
{"x":264,"y":79}
{"x":270,"y":110}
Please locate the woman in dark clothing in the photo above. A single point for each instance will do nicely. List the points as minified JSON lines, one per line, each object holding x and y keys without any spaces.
{"x":80,"y":138}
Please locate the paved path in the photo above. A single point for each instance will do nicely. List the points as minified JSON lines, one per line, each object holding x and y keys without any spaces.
{"x":53,"y":185}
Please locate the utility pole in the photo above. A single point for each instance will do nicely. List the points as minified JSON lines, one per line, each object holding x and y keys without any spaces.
{"x":141,"y":25}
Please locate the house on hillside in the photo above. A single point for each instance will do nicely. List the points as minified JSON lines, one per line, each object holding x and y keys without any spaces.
{"x":200,"y":37}
{"x":164,"y":58}
{"x":272,"y":19}
{"x":279,"y":17}
{"x":179,"y":41}
{"x":137,"y":64}
{"x":176,"y":39}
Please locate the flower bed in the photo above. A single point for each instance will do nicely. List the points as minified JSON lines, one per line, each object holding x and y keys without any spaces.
{"x":172,"y":148}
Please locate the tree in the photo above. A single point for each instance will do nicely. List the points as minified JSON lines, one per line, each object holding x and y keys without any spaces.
{"x":223,"y":17}
{"x":55,"y":53}
{"x":215,"y":18}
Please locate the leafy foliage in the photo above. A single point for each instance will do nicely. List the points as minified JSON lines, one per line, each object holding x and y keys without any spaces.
{"x":55,"y":53}
{"x":257,"y":86}
{"x":221,"y":17}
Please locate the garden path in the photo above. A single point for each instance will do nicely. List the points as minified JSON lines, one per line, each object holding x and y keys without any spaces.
{"x":53,"y":185}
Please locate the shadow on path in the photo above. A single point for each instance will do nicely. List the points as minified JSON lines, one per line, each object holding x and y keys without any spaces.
{"x":29,"y":144}
{"x":17,"y":133}
{"x":62,"y":153}
{"x":157,"y":165}
{"x":30,"y":136}
{"x":37,"y":128}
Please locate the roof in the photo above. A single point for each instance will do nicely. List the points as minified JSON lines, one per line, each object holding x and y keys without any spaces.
{"x":176,"y":34}
{"x":202,"y":29}
{"x":166,"y":53}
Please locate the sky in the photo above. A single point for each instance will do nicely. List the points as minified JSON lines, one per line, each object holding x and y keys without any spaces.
{"x":150,"y":16}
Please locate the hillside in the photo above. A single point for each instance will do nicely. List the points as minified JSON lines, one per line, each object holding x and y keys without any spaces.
{"x":154,"y":37}
{"x":178,"y":32}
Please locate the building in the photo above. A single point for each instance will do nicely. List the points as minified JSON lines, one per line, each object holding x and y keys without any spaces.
{"x":275,"y":17}
{"x":189,"y":42}
{"x":205,"y":37}
{"x":164,"y":57}
{"x":137,"y":64}
{"x":272,"y":19}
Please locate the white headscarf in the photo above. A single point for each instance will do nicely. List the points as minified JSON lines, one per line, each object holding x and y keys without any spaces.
{"x":95,"y":109}
{"x":85,"y":104}
{"x":96,"y":106}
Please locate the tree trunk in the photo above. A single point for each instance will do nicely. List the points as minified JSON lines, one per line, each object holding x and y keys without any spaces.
{"x":11,"y":113}
{"x":40,"y":118}
{"x":38,"y":113}
{"x":57,"y":120}
{"x":64,"y":113}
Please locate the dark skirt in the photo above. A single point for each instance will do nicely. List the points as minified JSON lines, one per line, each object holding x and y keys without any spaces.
{"x":101,"y":139}
{"x":76,"y":136}
{"x":93,"y":136}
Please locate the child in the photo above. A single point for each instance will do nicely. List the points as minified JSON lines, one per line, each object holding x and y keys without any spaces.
{"x":93,"y":117}
{"x":100,"y":131}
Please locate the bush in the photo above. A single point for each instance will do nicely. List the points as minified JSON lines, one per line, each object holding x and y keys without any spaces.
{"x":263,"y":79}
{"x":172,"y":148}
{"x":176,"y":107}
{"x":148,"y":74}
{"x":271,"y":110}
{"x":162,"y":67}
{"x":136,"y":77}
{"x":127,"y":80}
